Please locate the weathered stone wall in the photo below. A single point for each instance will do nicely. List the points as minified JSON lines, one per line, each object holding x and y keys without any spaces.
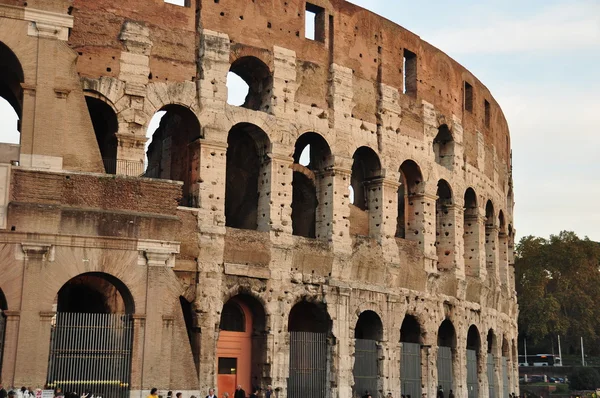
{"x":453,"y":260}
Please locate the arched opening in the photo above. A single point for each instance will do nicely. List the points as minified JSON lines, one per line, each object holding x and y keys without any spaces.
{"x":312,"y":157}
{"x":443,"y":147}
{"x":11,"y":96}
{"x":92,"y":336}
{"x":505,"y":367}
{"x":106,"y":126}
{"x":174,"y":151}
{"x":410,"y":360}
{"x":247,"y":160}
{"x":491,"y":364}
{"x":193,"y":331}
{"x":241,"y":347}
{"x":491,"y":235}
{"x":366,"y":168}
{"x":309,"y":326}
{"x":444,"y":227}
{"x":252,"y":77}
{"x":411,"y":179}
{"x":3,"y":307}
{"x":503,"y":248}
{"x":445,"y":358}
{"x":471,"y":233}
{"x":473,"y":349}
{"x":368,"y":331}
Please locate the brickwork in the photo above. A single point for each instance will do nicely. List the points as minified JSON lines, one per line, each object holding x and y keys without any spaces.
{"x":428,"y":232}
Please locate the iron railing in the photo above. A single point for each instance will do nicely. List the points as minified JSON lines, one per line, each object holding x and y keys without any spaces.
{"x":444,"y":368}
{"x":365,"y":369}
{"x":308,"y":365}
{"x":491,"y":375}
{"x":123,"y":167}
{"x":91,"y":353}
{"x":410,"y":370}
{"x":472,"y":379}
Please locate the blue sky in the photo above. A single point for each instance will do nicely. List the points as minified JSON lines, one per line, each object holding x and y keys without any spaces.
{"x":541,"y":61}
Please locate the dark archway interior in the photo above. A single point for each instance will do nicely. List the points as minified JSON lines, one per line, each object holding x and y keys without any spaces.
{"x":470,"y":202}
{"x":446,"y":334}
{"x":473,"y":339}
{"x":95,"y":293}
{"x":246,"y":155}
{"x":106,"y":126}
{"x":193,"y":332}
{"x":501,"y":222}
{"x":443,"y":146}
{"x":410,"y":185}
{"x":309,"y":317}
{"x":174,"y":151}
{"x":505,"y":348}
{"x":369,"y":326}
{"x":11,"y":78}
{"x":3,"y":302}
{"x":257,"y":76}
{"x":491,"y":342}
{"x":410,"y":332}
{"x":489,"y":214}
{"x":304,"y":204}
{"x":366,"y":167}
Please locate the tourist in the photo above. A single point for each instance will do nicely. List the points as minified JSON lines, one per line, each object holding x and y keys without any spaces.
{"x":440,"y":392}
{"x":211,"y":393}
{"x":153,"y":393}
{"x":178,"y":395}
{"x":450,"y":394}
{"x":255,"y":393}
{"x":239,"y":392}
{"x":3,"y":392}
{"x":269,"y":391}
{"x":225,"y":395}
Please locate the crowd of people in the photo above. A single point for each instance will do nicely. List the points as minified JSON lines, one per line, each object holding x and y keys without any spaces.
{"x":239,"y":392}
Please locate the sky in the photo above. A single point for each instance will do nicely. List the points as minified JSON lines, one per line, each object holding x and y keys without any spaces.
{"x":541,"y":61}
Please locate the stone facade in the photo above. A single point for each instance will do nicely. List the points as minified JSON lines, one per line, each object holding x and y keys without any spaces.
{"x":231,"y":212}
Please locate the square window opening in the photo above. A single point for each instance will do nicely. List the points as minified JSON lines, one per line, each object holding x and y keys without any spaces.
{"x":314,"y":23}
{"x":409,"y":73}
{"x":227,"y":366}
{"x":488,"y":116}
{"x":182,"y":3}
{"x":468,"y":91}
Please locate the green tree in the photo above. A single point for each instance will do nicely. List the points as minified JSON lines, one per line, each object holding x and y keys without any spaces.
{"x":584,"y":379}
{"x":558,"y":281}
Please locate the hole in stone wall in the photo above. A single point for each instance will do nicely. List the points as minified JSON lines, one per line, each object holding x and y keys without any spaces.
{"x":249,"y":84}
{"x":443,"y":147}
{"x":468,"y":97}
{"x":174,"y":144}
{"x":9,"y":124}
{"x":487,"y":110}
{"x":409,"y":73}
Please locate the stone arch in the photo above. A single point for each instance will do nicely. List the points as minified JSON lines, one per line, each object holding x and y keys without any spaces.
{"x":106,"y":126}
{"x":242,"y":341}
{"x":489,"y":214}
{"x":444,"y":226}
{"x":83,"y":289}
{"x":411,"y":337}
{"x":174,"y":150}
{"x":411,"y":331}
{"x":501,"y":222}
{"x":309,"y":315}
{"x":473,"y":361}
{"x":443,"y":147}
{"x":411,"y":184}
{"x":366,"y":168}
{"x":160,"y":95}
{"x":257,"y":75}
{"x":369,"y":326}
{"x":367,"y":332}
{"x":11,"y":80}
{"x":312,"y":157}
{"x":447,"y":342}
{"x":247,"y":159}
{"x":492,"y":341}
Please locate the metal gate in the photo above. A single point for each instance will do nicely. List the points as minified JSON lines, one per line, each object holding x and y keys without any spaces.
{"x":2,"y":329}
{"x":410,"y":370}
{"x":491,"y":375}
{"x":308,"y":365}
{"x":505,"y":377}
{"x":365,"y":367}
{"x":444,"y":368}
{"x":91,"y":352}
{"x":472,"y":379}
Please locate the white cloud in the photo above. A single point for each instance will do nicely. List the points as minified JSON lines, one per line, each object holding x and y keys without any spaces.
{"x":558,"y":28}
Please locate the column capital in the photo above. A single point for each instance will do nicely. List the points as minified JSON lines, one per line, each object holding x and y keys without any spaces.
{"x":12,"y":315}
{"x":36,"y":251}
{"x":157,"y":254}
{"x":47,"y":315}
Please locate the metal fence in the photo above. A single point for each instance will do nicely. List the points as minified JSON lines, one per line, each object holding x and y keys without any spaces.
{"x":491,"y":375}
{"x":308,"y":365}
{"x":91,"y":352}
{"x":124,"y":167}
{"x":444,"y":368}
{"x":505,"y":377}
{"x":410,"y":370}
{"x":472,"y":379}
{"x":365,"y":371}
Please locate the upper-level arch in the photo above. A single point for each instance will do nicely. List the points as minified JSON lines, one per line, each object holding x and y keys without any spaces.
{"x":11,"y":91}
{"x":411,"y":184}
{"x":258,"y":78}
{"x":443,"y":147}
{"x":366,"y":168}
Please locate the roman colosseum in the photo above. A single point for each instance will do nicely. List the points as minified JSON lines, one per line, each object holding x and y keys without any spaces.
{"x":348,"y":227}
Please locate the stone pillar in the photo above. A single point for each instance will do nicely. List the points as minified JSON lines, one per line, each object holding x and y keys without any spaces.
{"x":420,"y":226}
{"x":341,"y":97}
{"x":503,"y":267}
{"x":491,"y":250}
{"x":459,"y":243}
{"x":43,"y":344}
{"x":166,"y":348}
{"x":130,"y":154}
{"x":342,"y":354}
{"x":276,"y":202}
{"x":448,"y":234}
{"x":211,"y":187}
{"x":284,"y":82}
{"x":429,"y":373}
{"x":340,"y":200}
{"x":383,"y":208}
{"x":11,"y":337}
{"x":137,"y":351}
{"x":459,"y":366}
{"x":474,"y":246}
{"x":324,"y":214}
{"x":213,"y":61}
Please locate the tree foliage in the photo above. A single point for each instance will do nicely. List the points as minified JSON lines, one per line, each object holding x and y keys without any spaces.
{"x":558,"y":282}
{"x":584,"y":379}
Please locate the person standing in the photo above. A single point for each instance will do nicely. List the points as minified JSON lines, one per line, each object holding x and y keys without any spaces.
{"x":440,"y":392}
{"x":3,"y":392}
{"x":269,"y":391}
{"x":153,"y":393}
{"x":239,"y":392}
{"x":178,"y":395}
{"x":211,"y":393}
{"x":255,"y":393}
{"x":450,"y":394}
